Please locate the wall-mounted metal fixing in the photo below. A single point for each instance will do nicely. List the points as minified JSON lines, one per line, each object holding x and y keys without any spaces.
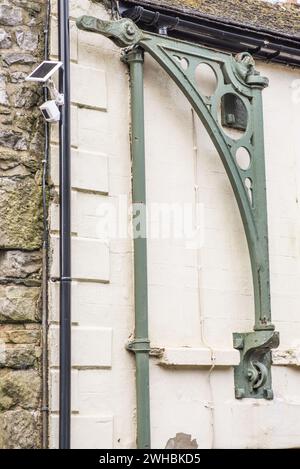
{"x":237,"y":78}
{"x":140,"y":346}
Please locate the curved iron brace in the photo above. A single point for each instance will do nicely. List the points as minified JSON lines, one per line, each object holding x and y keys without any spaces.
{"x":237,"y":79}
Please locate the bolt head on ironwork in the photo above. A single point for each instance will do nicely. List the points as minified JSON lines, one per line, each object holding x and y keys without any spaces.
{"x":268,"y":394}
{"x":130,"y":30}
{"x":238,"y":343}
{"x":230,"y":119}
{"x":239,"y":393}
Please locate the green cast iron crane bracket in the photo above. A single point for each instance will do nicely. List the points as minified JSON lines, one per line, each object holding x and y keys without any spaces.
{"x":235,"y":103}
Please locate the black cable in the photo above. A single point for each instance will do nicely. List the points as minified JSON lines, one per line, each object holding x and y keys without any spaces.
{"x":47,"y":131}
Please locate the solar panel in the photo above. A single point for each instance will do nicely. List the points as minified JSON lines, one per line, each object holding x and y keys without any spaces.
{"x":44,"y":71}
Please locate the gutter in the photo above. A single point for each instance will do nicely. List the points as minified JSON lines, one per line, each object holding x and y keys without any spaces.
{"x":212,"y":33}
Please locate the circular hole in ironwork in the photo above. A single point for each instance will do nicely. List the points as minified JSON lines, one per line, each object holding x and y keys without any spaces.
{"x":233,"y":115}
{"x":206,"y":79}
{"x":182,"y":61}
{"x":249,"y":189}
{"x":243,"y":158}
{"x":248,"y":183}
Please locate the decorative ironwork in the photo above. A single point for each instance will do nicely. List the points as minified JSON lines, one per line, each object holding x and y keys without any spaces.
{"x":236,"y":103}
{"x":253,"y":376}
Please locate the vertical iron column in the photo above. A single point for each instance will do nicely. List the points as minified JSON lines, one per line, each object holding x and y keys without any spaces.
{"x":65,"y":231}
{"x":140,"y":345}
{"x":261,"y":266}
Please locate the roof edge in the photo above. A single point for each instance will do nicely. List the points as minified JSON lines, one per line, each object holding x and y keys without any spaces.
{"x":211,"y":31}
{"x":197,"y":14}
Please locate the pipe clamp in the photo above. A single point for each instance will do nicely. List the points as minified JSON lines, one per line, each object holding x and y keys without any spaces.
{"x":138,"y":345}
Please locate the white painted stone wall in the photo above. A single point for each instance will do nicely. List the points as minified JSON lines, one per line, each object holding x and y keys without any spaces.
{"x":197,"y":297}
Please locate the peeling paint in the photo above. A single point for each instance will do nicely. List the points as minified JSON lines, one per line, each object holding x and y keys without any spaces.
{"x":182,"y":441}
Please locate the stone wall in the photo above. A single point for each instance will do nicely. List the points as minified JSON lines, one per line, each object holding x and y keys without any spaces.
{"x":21,"y":154}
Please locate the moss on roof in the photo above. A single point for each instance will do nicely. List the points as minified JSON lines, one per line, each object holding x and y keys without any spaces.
{"x":259,"y":14}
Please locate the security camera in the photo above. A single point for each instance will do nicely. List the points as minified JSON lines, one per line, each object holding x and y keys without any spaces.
{"x":43,"y":74}
{"x":50,"y":111}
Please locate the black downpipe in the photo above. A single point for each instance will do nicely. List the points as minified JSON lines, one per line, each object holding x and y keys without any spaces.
{"x":65,"y":230}
{"x":45,"y":271}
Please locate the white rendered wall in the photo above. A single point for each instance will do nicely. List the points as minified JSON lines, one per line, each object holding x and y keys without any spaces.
{"x":197,"y":297}
{"x":103,"y":408}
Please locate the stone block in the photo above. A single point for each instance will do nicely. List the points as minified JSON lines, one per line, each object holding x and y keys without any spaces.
{"x":22,"y":58}
{"x":54,"y":390}
{"x":19,"y":388}
{"x":88,"y":432}
{"x":94,"y":131}
{"x":20,"y":265}
{"x":18,"y":357}
{"x":54,"y":39}
{"x":3,"y":92}
{"x":74,"y":129}
{"x":27,"y":40}
{"x":20,"y":214}
{"x":20,"y":334}
{"x":5,"y":39}
{"x":19,"y":429}
{"x":10,"y":15}
{"x":89,"y":170}
{"x":88,"y":86}
{"x":91,"y":347}
{"x":26,"y":97}
{"x":19,"y":303}
{"x":13,"y":139}
{"x":90,"y":259}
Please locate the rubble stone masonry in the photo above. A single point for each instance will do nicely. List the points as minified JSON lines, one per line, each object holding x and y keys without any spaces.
{"x":21,"y":154}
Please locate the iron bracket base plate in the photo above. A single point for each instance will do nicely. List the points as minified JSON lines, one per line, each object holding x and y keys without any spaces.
{"x":253,"y":375}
